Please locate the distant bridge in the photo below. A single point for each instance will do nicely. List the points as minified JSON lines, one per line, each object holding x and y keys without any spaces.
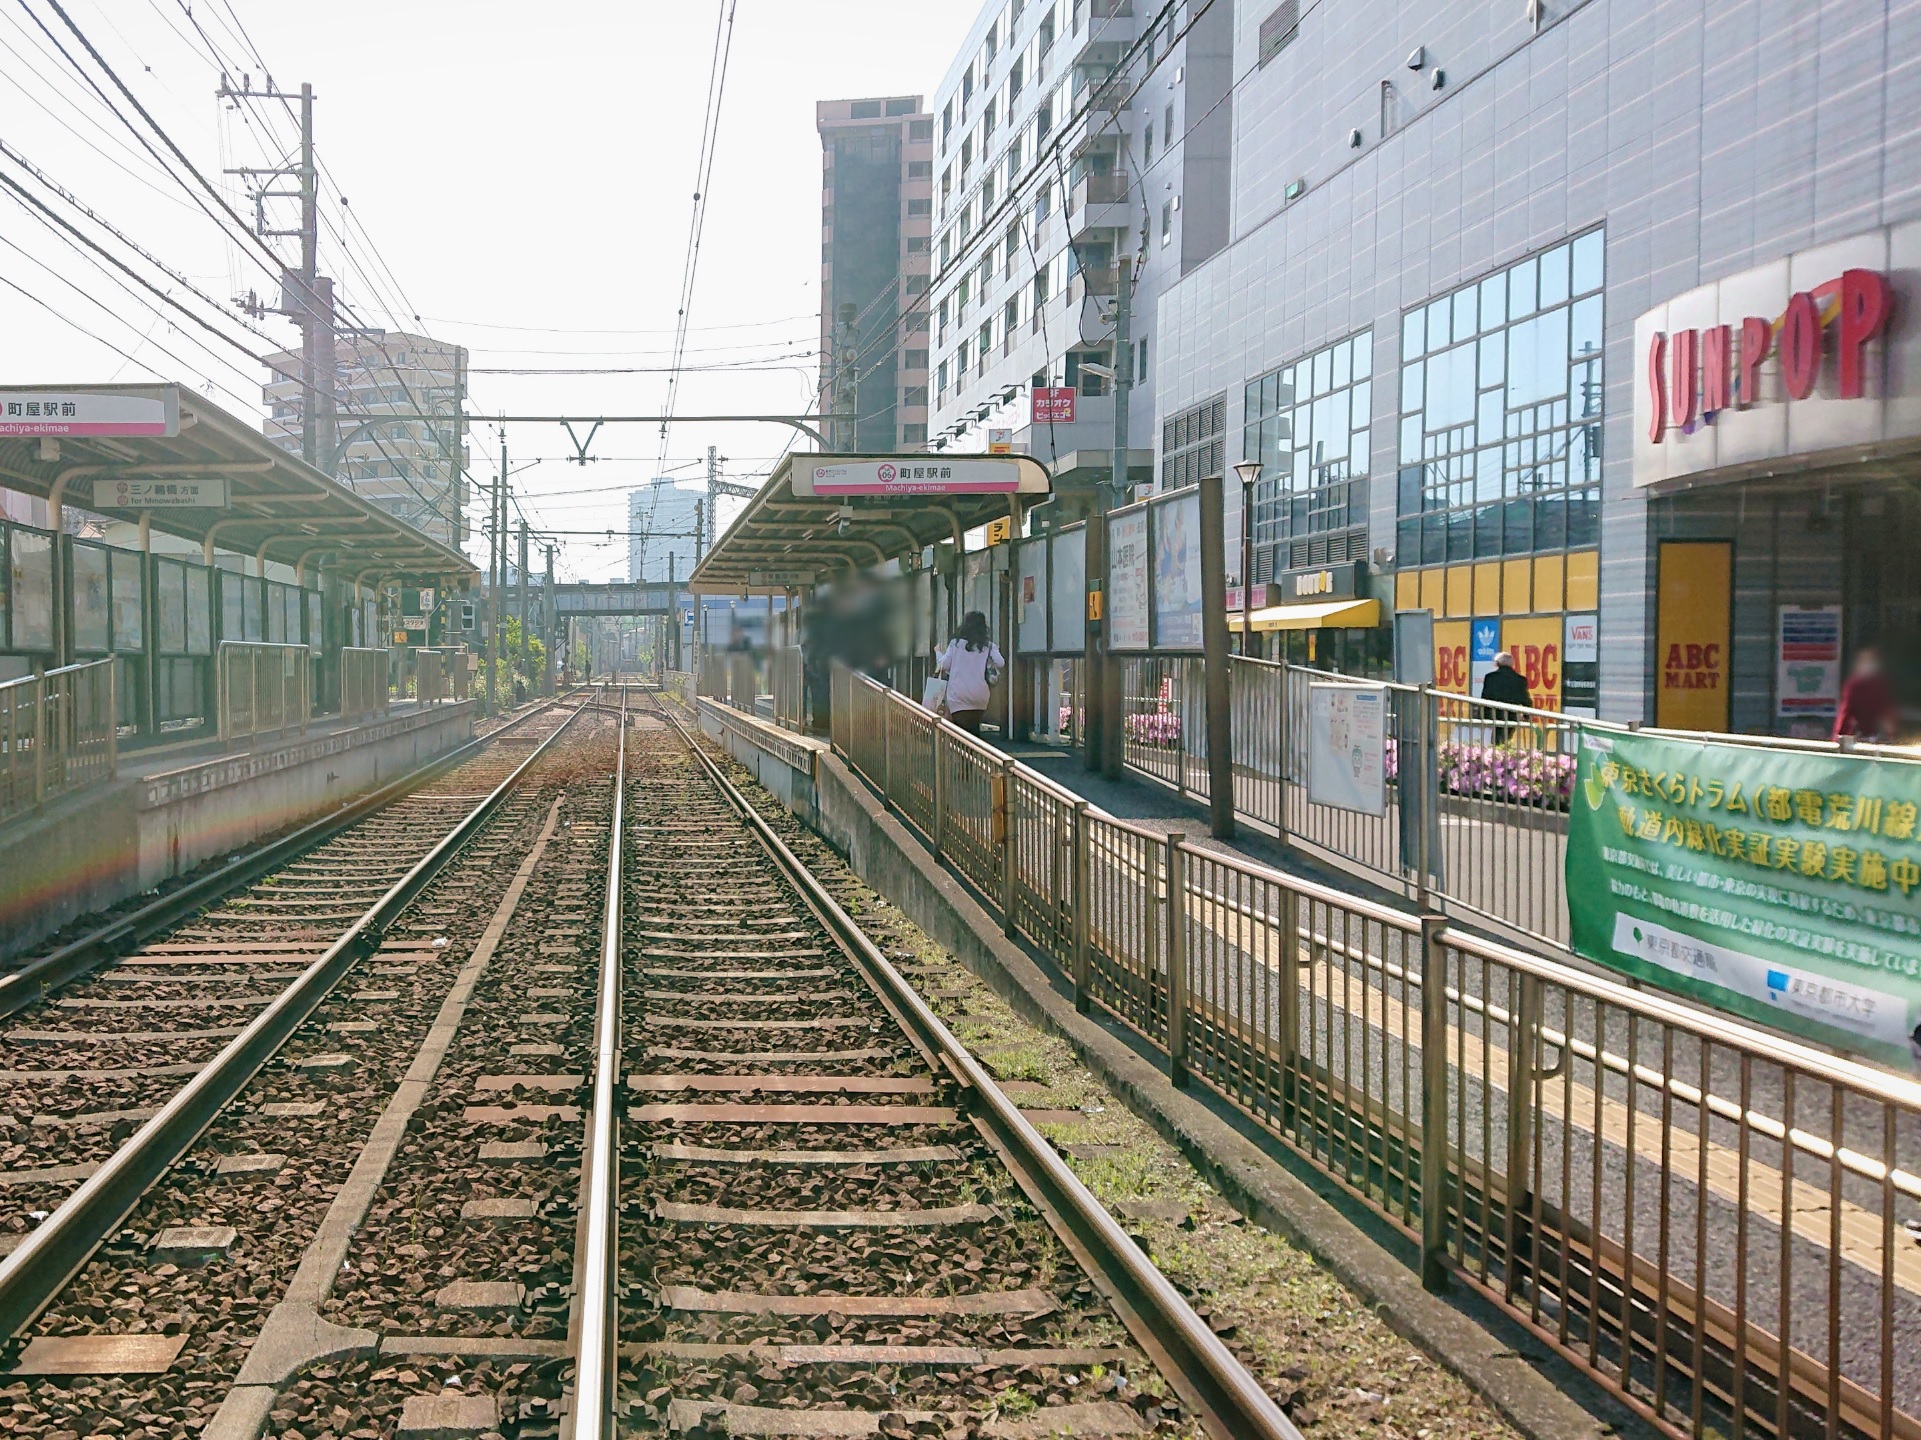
{"x":619,"y":597}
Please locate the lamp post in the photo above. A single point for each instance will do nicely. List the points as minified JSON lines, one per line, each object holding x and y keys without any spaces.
{"x":1249,"y":471}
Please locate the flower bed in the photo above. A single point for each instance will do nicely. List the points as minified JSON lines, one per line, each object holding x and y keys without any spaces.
{"x":1160,"y":729}
{"x":1540,"y":778}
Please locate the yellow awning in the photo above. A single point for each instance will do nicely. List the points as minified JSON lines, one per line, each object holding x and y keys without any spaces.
{"x":1314,"y":615}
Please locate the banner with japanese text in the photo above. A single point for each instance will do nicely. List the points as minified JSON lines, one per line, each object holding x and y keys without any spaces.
{"x":1782,"y":887}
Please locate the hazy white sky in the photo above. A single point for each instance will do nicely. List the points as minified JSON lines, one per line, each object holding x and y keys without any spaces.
{"x":526,"y":174}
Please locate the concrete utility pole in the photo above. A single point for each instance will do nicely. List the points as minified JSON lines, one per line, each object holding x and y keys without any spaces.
{"x":306,"y":295}
{"x":526,"y":639}
{"x":547,"y":618}
{"x":1110,"y":670}
{"x":494,"y":577}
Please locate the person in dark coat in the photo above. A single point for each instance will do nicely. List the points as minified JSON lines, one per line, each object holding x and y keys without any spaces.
{"x":1507,"y":686}
{"x":1867,"y":711}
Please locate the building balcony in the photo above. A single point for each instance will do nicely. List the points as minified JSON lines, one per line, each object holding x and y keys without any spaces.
{"x":1103,"y":281}
{"x":1099,"y":202}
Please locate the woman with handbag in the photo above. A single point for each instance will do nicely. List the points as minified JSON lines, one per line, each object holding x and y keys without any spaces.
{"x":971,"y":662}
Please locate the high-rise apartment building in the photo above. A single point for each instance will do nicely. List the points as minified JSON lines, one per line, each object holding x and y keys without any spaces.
{"x":661,"y":521}
{"x":411,"y":467}
{"x":1072,"y":136}
{"x":876,"y":219}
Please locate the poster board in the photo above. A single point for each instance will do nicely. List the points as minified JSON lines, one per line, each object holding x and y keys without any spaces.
{"x":1175,"y":524}
{"x":1807,"y":665}
{"x":1031,"y":597}
{"x":1127,"y":575}
{"x":1694,"y":614}
{"x":1067,"y":581}
{"x":1347,"y":747}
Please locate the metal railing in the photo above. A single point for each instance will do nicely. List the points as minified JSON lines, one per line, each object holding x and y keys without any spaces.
{"x":1704,"y":1216}
{"x":262,"y":689}
{"x":58,"y":733}
{"x":784,"y":679}
{"x":363,"y":682}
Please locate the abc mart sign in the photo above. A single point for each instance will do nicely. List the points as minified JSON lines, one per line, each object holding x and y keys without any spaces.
{"x":1814,"y":358}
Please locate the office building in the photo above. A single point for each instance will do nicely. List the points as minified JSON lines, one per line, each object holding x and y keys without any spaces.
{"x":413,"y":468}
{"x":1073,"y":136}
{"x":876,"y":218}
{"x":661,"y":525}
{"x":1580,"y":327}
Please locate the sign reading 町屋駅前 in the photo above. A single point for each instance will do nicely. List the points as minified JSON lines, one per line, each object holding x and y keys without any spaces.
{"x":1783,"y":887}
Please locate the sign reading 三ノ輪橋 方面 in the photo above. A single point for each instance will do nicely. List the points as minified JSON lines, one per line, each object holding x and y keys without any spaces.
{"x":25,"y":410}
{"x":1783,"y":887}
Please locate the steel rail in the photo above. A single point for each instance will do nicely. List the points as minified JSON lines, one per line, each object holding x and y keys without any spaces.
{"x":54,"y":1252}
{"x":596,"y":1286}
{"x":34,"y":982}
{"x":1209,"y":1380}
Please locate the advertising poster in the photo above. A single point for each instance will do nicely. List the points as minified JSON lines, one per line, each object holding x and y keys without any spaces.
{"x":1807,"y":663}
{"x":1347,"y":747}
{"x":1535,"y":643}
{"x":1127,"y":562}
{"x":1694,"y":612}
{"x":1177,"y":572}
{"x":1030,"y":606}
{"x":1069,"y":580}
{"x":1484,"y":643}
{"x":1782,"y":887}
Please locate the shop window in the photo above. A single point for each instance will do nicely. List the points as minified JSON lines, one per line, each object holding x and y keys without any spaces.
{"x":1501,"y":412}
{"x":1308,"y":425}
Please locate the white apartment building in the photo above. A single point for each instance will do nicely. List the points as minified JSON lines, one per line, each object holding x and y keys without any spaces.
{"x":1071,"y":135}
{"x":661,"y":520}
{"x":406,"y":466}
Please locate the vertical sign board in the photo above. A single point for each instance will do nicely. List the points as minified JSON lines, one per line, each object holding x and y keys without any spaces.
{"x":1581,"y":665}
{"x":1068,"y":577}
{"x":1177,"y":572}
{"x":1785,"y":887}
{"x":1807,"y":666}
{"x":1030,"y":596}
{"x":1347,"y":747}
{"x":1127,"y":562}
{"x":1484,"y":643}
{"x":1694,"y":605}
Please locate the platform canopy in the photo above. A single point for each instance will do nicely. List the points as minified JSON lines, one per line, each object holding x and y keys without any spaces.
{"x":823,"y":516}
{"x":203,"y":475}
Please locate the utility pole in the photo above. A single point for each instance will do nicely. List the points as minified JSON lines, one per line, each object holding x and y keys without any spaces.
{"x":306,"y":296}
{"x":1110,"y":670}
{"x":494,"y":576}
{"x":526,"y":639}
{"x":548,"y":610}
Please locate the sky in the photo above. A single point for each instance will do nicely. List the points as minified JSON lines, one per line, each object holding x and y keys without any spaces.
{"x":520,"y":178}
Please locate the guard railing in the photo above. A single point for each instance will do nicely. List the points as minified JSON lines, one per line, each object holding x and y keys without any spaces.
{"x":1704,"y":1216}
{"x":784,"y":679}
{"x":263,"y":690}
{"x":363,"y":682}
{"x":58,"y":733}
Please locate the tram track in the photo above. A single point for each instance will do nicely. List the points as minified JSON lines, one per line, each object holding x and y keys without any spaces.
{"x":668,"y":1131}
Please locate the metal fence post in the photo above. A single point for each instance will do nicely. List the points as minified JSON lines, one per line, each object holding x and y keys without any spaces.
{"x":1287,"y":1018}
{"x":1429,"y":779}
{"x":1524,"y":1068}
{"x":939,"y":785}
{"x":39,"y":740}
{"x":1083,"y":878}
{"x":1176,"y":961}
{"x":1004,"y":823}
{"x":113,"y":718}
{"x":1434,"y":1106}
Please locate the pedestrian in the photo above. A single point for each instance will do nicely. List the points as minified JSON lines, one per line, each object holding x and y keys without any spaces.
{"x":971,"y":662}
{"x":1505,"y":686}
{"x":1868,"y":711}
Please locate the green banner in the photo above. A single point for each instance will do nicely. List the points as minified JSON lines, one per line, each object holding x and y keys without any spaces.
{"x":1779,"y":886}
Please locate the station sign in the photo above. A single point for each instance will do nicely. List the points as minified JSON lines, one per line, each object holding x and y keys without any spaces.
{"x":172,"y":492}
{"x":781,"y":577}
{"x":918,"y":475}
{"x":1807,"y":355}
{"x":30,"y":411}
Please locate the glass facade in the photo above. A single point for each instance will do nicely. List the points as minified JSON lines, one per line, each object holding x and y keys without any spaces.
{"x":1500,"y":412}
{"x":1307,"y":425}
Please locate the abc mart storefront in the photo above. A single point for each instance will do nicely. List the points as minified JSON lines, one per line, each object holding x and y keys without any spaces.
{"x":1777,"y":442}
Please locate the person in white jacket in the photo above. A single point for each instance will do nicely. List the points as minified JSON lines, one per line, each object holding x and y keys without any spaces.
{"x":971,"y":661}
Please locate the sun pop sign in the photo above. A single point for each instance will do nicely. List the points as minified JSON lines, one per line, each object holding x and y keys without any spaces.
{"x":1800,"y":357}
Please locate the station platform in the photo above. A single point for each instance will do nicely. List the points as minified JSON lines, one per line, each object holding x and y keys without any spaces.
{"x":171,"y":808}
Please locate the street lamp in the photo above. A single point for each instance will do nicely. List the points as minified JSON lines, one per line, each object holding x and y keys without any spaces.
{"x":1249,"y":471}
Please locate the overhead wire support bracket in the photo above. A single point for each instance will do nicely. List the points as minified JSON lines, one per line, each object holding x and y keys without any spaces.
{"x":580,"y":455}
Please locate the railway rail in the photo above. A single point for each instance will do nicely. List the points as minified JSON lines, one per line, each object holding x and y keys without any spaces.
{"x":629,"y":1130}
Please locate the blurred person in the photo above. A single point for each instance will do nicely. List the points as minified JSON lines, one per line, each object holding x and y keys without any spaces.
{"x":1867,"y":710}
{"x":971,"y":662}
{"x":1506,"y":686}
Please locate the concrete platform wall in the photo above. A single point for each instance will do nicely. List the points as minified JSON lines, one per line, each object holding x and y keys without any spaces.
{"x":94,"y":849}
